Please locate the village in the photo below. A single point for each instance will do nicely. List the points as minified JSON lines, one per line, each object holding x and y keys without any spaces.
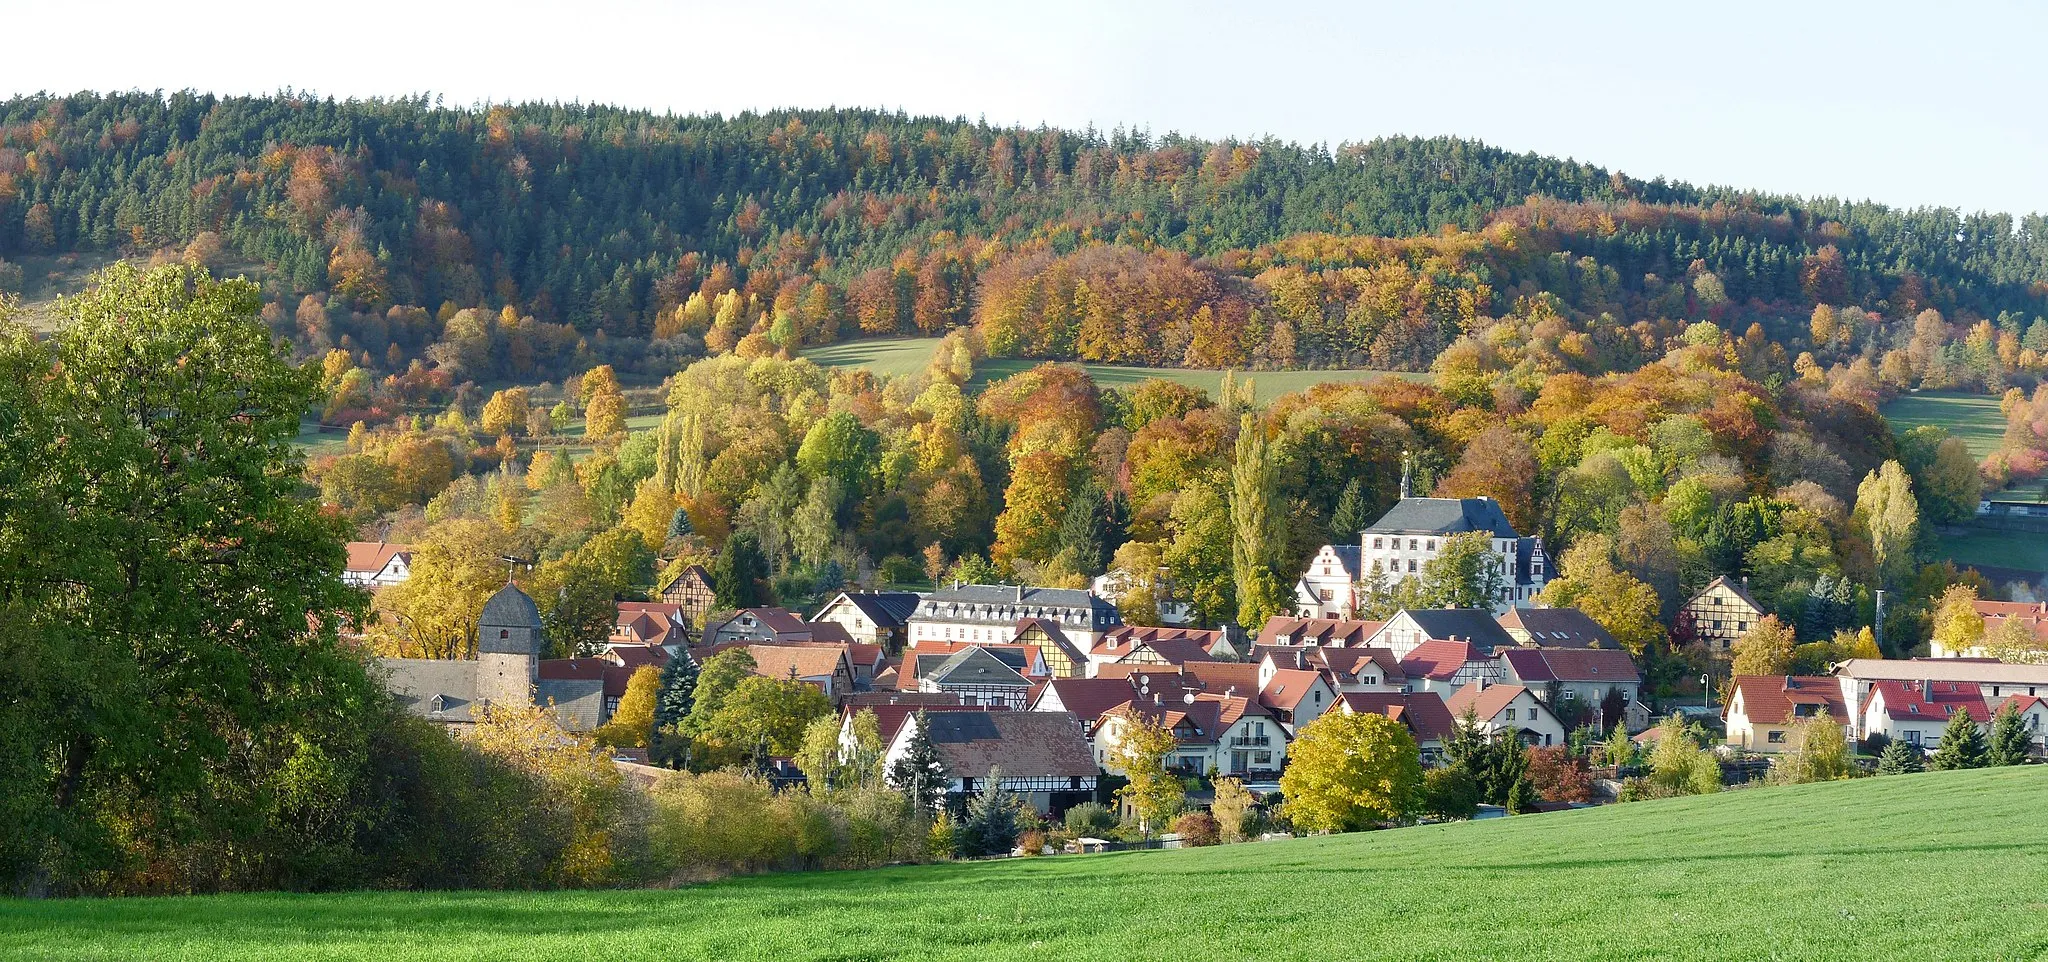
{"x":1041,"y":688}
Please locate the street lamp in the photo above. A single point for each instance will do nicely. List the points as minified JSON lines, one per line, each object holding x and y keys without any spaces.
{"x":1706,"y":691}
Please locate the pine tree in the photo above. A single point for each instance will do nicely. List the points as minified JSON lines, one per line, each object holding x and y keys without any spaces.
{"x":678,"y":692}
{"x":1962,"y":746}
{"x":739,"y":573}
{"x":1900,"y":758}
{"x":1084,"y":531}
{"x":2009,"y":740}
{"x":991,"y":827}
{"x":1351,"y":515}
{"x":921,"y":773}
{"x":679,"y":525}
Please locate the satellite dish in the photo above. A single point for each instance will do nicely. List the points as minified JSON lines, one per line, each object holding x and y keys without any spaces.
{"x":1188,"y":698}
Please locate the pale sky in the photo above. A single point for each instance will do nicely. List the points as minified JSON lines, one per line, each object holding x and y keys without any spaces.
{"x":1906,"y":103}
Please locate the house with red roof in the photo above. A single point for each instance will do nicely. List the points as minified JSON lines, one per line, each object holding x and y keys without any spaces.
{"x":1143,"y":645}
{"x":1764,"y":712}
{"x":1426,"y":716}
{"x":376,"y":564}
{"x":1575,"y":682}
{"x":1285,"y":630}
{"x":1085,"y":698}
{"x":649,"y":623}
{"x":1296,"y":697}
{"x":1915,"y":712}
{"x":1447,"y":666}
{"x":1347,"y":669}
{"x":1229,"y":735}
{"x":1508,"y":708}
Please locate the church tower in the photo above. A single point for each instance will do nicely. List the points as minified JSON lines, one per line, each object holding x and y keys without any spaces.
{"x":508,"y":648}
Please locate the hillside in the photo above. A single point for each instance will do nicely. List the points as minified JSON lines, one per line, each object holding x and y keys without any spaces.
{"x":1942,"y":865}
{"x":603,"y":224}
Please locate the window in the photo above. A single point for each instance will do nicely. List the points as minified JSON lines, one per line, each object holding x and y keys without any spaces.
{"x":1411,"y":544}
{"x":1511,"y":714}
{"x":1376,"y":542}
{"x":1913,"y":738}
{"x":1325,"y":595}
{"x":1262,"y":758}
{"x":1570,"y":695}
{"x":1805,"y":711}
{"x":1775,"y":737}
{"x":502,"y":633}
{"x":1432,"y":544}
{"x":1411,"y":566}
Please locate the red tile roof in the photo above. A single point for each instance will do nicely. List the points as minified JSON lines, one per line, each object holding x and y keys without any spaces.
{"x":371,"y":556}
{"x":1425,"y":713}
{"x":1438,"y":660}
{"x":1908,"y":701}
{"x":1486,"y":702}
{"x":1773,"y":699}
{"x":1330,"y":632}
{"x":1088,"y":698}
{"x":1285,"y":690}
{"x":1610,"y":665}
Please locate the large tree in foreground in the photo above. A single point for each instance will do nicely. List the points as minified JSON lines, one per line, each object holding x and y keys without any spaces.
{"x":169,"y":606}
{"x":1346,"y":772}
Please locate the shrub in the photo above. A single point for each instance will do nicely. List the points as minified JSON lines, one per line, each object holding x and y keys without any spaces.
{"x":1234,"y":809}
{"x":718,"y":823}
{"x":1449,"y":793}
{"x":1196,"y":829}
{"x":1090,"y":819}
{"x":898,"y":569}
{"x":1031,"y":842}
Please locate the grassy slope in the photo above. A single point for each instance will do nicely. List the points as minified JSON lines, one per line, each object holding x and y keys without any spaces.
{"x":1972,"y":417}
{"x":907,"y":355}
{"x":1942,"y":865}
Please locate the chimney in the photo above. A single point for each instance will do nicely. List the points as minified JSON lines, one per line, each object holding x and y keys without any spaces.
{"x":1020,"y":593}
{"x":1155,"y":699}
{"x":1230,"y":692}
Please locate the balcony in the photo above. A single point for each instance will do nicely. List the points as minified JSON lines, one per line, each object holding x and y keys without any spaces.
{"x":1251,"y":741}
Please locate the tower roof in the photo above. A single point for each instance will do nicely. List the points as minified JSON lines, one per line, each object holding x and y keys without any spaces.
{"x":509,"y":608}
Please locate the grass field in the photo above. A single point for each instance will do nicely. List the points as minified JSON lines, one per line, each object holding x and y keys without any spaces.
{"x":1941,"y":865}
{"x":2018,"y":550}
{"x":907,"y":355}
{"x":1972,"y":417}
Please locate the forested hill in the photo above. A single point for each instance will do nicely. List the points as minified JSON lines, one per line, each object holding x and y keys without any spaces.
{"x":599,"y":224}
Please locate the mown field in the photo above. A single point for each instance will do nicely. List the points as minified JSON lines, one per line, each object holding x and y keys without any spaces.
{"x":907,"y":355}
{"x":1935,"y":866}
{"x":1972,"y":417}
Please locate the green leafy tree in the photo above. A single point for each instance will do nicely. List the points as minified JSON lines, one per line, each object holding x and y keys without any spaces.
{"x":1888,"y":518}
{"x":170,"y":608}
{"x":839,"y":446}
{"x":1678,"y":765}
{"x":1765,"y":649}
{"x":765,"y":717}
{"x":1350,"y":771}
{"x":1234,"y":809}
{"x":1465,"y":574}
{"x":920,"y":773}
{"x":1820,"y":754}
{"x":1962,"y":745}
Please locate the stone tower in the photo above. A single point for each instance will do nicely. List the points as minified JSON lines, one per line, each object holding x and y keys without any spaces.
{"x":508,"y":648}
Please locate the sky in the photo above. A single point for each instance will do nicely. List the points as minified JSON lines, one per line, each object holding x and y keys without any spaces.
{"x":1907,"y":104}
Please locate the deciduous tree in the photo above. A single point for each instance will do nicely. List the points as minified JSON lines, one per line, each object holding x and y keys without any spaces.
{"x":1350,"y":771}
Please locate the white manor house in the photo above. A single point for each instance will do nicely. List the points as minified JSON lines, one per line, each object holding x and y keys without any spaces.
{"x":1407,"y":537}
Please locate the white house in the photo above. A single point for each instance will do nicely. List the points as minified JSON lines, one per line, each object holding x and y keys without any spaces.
{"x":1172,"y":612}
{"x":1764,"y":712}
{"x":1330,"y":587}
{"x":1229,"y":735}
{"x":1295,"y":697}
{"x":1916,"y":712}
{"x":375,"y":564}
{"x":1578,"y":680}
{"x":1509,"y":708}
{"x":1409,"y":536}
{"x":1995,"y":681}
{"x":991,"y":614}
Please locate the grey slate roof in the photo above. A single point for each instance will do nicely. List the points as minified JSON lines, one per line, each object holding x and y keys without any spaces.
{"x":1351,"y":557}
{"x":578,"y":703}
{"x":433,"y":688}
{"x":1474,"y":625}
{"x":975,"y":666}
{"x":1004,"y":604}
{"x":887,"y":609}
{"x":509,"y":608}
{"x":1024,"y":744}
{"x":1444,"y":516}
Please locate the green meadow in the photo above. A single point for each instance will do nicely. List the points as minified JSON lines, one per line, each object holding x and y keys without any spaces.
{"x":1972,"y":417}
{"x":1944,"y":865}
{"x":907,"y":355}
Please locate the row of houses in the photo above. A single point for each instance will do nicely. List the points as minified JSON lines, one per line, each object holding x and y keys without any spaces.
{"x":1908,"y":700}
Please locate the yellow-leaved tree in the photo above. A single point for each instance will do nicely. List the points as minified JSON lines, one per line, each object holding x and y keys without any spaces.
{"x":1142,"y":747}
{"x":1347,"y":772}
